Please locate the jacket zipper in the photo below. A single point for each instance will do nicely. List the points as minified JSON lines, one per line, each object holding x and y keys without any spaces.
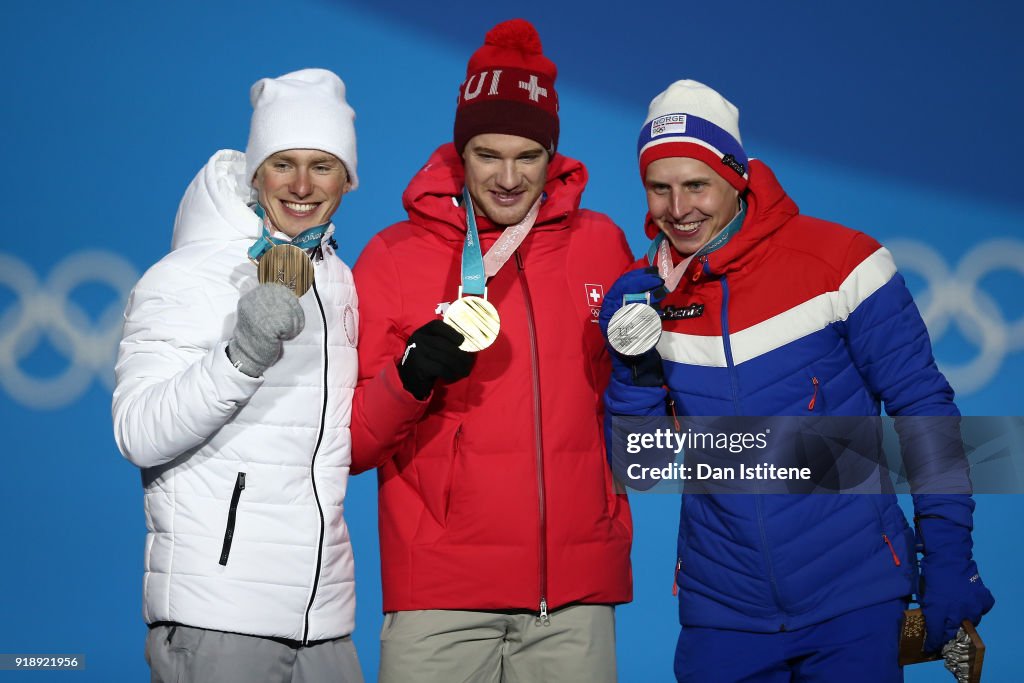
{"x":542,"y":611}
{"x":312,"y":475}
{"x":675,"y":577}
{"x":768,"y":557}
{"x":814,"y":397}
{"x":727,"y":343}
{"x":734,"y":384}
{"x":229,"y":532}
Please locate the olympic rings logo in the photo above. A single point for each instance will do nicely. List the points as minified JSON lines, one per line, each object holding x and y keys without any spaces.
{"x":956,"y":298}
{"x":47,"y":311}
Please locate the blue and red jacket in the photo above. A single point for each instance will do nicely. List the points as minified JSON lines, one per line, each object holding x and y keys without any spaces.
{"x":800,"y":317}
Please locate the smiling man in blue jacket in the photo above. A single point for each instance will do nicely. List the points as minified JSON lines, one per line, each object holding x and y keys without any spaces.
{"x":768,"y":312}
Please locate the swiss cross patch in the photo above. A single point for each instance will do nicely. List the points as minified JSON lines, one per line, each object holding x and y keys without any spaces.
{"x":595,"y":294}
{"x":595,"y":297}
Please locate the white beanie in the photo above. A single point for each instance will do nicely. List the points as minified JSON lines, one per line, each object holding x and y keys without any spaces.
{"x":689,"y":119}
{"x":301,"y":110}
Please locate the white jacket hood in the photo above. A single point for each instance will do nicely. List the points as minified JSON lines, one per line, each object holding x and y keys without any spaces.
{"x":216,"y":204}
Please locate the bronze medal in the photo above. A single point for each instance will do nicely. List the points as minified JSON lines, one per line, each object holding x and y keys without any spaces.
{"x":286,"y":265}
{"x":475,"y":319}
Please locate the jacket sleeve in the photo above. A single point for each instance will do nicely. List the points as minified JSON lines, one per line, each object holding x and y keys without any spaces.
{"x":890,"y":346}
{"x":175,"y":386}
{"x":384,"y":414}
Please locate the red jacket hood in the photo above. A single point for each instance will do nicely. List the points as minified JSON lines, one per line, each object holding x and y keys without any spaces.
{"x":768,"y":208}
{"x":428,"y":198}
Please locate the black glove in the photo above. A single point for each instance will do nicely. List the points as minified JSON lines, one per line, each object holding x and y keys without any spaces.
{"x":432,"y":352}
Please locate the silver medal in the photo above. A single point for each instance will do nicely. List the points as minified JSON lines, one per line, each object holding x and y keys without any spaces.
{"x":634,"y":329}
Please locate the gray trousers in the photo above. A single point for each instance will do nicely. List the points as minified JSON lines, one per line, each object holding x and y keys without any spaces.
{"x":182,"y":654}
{"x":453,"y":646}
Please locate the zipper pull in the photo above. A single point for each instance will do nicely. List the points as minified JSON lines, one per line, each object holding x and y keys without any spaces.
{"x":542,"y":618}
{"x":240,"y":481}
{"x":675,"y":417}
{"x":703,"y":260}
{"x":892,"y":550}
{"x":810,"y":406}
{"x":675,"y":580}
{"x":519,"y":260}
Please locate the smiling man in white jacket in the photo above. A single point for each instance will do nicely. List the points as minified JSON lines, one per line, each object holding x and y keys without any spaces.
{"x":234,"y":398}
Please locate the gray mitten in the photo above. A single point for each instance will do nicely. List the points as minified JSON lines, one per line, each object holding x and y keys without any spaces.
{"x":267,"y":317}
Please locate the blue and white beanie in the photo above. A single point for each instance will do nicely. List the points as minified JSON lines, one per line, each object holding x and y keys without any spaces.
{"x":689,"y":119}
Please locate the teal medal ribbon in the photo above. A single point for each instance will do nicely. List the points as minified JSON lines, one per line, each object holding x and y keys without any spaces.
{"x":474,"y":279}
{"x":471,"y":315}
{"x":307,"y":239}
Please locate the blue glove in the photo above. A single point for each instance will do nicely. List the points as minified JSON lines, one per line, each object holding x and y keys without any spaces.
{"x":951,"y":589}
{"x":643,"y":370}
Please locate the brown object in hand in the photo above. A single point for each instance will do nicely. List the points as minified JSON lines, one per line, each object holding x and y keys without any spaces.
{"x":286,"y":265}
{"x":912,"y":636}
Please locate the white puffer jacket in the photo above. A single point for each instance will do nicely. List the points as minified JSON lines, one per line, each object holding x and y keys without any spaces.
{"x":244,"y":477}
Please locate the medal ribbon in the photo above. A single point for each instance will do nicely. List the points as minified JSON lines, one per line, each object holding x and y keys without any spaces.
{"x":474,"y":278}
{"x":477,"y":268}
{"x":511,"y":238}
{"x":307,"y":239}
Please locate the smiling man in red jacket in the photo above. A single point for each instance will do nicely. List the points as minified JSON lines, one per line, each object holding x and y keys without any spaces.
{"x":504,"y":544}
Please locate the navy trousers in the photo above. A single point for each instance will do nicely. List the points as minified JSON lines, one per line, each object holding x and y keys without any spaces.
{"x":858,"y":646}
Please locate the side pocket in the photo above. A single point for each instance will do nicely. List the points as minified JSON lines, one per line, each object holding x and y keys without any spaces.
{"x":456,"y":446}
{"x":389,"y":623}
{"x":817,"y":396}
{"x":885,"y":536}
{"x":229,"y":532}
{"x":169,"y":650}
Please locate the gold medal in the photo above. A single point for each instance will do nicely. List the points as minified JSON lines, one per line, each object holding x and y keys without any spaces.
{"x":475,"y":319}
{"x":286,"y":265}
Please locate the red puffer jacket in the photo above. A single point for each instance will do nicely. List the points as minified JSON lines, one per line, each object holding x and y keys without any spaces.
{"x":494,"y":492}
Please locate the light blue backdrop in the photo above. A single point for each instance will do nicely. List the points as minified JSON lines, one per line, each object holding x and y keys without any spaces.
{"x":896,"y":120}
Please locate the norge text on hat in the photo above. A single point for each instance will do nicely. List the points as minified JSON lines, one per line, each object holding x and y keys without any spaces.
{"x":689,"y":119}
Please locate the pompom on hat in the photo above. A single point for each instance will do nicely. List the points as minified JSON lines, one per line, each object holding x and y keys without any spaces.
{"x":509,"y":88}
{"x":689,"y":119}
{"x":301,"y":110}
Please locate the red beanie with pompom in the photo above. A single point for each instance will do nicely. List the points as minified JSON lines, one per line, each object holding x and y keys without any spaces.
{"x":509,"y":88}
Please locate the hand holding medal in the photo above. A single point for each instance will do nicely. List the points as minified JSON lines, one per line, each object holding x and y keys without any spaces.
{"x":628,"y":317}
{"x":635,"y":328}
